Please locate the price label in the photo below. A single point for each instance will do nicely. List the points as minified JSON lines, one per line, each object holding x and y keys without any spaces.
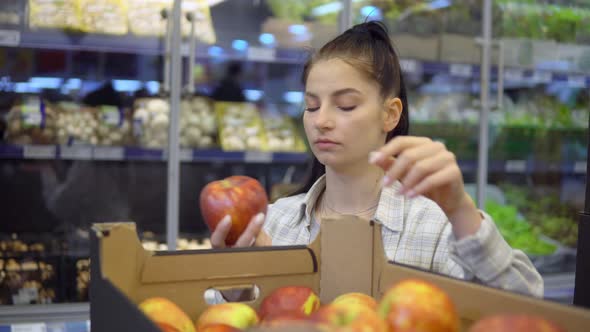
{"x":409,"y":66}
{"x":186,"y":155}
{"x":542,"y":76}
{"x":261,"y":54}
{"x":76,"y":152}
{"x":9,"y":38}
{"x":257,"y":157}
{"x":516,"y":166}
{"x":39,"y":152}
{"x":38,"y":327}
{"x":580,"y":167}
{"x":111,"y":115}
{"x":108,"y":153}
{"x":576,"y":81}
{"x":514,"y":74}
{"x":461,"y":70}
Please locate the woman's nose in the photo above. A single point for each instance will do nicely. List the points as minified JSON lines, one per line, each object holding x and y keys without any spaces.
{"x":323,"y":119}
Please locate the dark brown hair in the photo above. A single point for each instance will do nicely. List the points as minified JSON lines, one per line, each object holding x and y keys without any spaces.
{"x":365,"y":46}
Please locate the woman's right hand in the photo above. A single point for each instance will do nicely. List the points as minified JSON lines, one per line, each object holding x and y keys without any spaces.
{"x":247,"y":238}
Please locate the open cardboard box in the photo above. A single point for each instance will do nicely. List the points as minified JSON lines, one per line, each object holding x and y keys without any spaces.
{"x":347,"y":256}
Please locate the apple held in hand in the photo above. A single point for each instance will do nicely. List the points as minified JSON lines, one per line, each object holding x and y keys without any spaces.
{"x":167,"y":315}
{"x":240,"y":197}
{"x":289,"y":299}
{"x":514,"y":323}
{"x":418,"y":306}
{"x":238,"y":315}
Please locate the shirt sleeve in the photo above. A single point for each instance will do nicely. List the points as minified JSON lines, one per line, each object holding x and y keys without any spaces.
{"x":487,"y":258}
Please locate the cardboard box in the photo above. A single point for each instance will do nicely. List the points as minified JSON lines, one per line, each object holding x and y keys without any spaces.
{"x":347,"y":256}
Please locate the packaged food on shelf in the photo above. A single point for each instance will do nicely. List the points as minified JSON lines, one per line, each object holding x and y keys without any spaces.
{"x":145,"y":17}
{"x":55,"y":14}
{"x":202,"y":16}
{"x":76,"y":124}
{"x":198,"y":126}
{"x":82,"y":279}
{"x":104,"y":16}
{"x":240,"y":127}
{"x":10,"y":12}
{"x":114,"y":126}
{"x":27,"y":280}
{"x":33,"y":121}
{"x":281,"y":134}
{"x":151,"y":119}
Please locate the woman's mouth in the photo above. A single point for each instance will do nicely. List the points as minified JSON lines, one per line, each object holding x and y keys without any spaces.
{"x":325,"y":144}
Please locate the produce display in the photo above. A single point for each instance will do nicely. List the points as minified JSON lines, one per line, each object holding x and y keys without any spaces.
{"x":26,"y":275}
{"x":409,"y":305}
{"x":240,"y":127}
{"x":145,"y":17}
{"x":516,"y":231}
{"x":10,"y":12}
{"x":82,"y":279}
{"x":545,"y":211}
{"x":57,"y":14}
{"x":151,"y":120}
{"x":31,"y":122}
{"x":282,"y":135}
{"x":104,"y":16}
{"x":76,"y":125}
{"x":240,"y":197}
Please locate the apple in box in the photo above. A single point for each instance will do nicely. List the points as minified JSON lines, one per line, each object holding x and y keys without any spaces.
{"x":240,"y":197}
{"x":514,"y":323}
{"x":289,"y":299}
{"x":416,"y":305}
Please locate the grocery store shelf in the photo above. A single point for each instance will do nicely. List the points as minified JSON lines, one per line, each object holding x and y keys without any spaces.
{"x":74,"y":313}
{"x":53,"y":39}
{"x":46,"y":152}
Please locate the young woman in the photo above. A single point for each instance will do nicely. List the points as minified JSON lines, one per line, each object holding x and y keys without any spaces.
{"x":356,"y":121}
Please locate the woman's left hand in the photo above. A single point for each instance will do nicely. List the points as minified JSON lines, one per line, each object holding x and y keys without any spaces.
{"x":425,"y":167}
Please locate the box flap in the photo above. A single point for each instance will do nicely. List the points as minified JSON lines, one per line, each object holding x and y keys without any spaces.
{"x":346,"y":252}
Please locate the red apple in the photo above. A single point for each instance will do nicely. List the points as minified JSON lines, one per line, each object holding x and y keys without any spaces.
{"x":418,"y":306}
{"x":289,"y":299}
{"x":238,"y":315}
{"x":348,"y":317}
{"x":240,"y":197}
{"x":514,"y":323}
{"x":291,"y":318}
{"x":218,"y":328}
{"x":358,"y":298}
{"x":166,"y":315}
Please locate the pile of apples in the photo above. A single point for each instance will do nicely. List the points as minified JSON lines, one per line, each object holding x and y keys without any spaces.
{"x":410,"y":305}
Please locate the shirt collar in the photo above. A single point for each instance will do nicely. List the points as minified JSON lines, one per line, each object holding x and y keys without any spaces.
{"x":390,"y":211}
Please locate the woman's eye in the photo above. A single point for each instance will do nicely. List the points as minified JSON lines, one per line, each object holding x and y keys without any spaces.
{"x":312,"y":109}
{"x":349,"y":108}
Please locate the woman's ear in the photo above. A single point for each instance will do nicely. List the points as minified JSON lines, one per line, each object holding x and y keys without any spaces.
{"x":392,"y":113}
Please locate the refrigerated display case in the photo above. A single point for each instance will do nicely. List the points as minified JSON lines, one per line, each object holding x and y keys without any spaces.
{"x":59,"y":177}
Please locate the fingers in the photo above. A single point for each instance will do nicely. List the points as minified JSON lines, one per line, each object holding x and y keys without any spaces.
{"x":399,"y":144}
{"x":443,"y":177}
{"x":248,"y":238}
{"x":424,"y":168}
{"x":409,"y":157}
{"x":220,"y":233}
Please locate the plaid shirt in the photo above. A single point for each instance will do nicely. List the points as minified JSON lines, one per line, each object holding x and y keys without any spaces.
{"x":416,"y":232}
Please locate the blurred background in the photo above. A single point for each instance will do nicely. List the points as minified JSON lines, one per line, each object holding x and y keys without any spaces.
{"x":84,"y":116}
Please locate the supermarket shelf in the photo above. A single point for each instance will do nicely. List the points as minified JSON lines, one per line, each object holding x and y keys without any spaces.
{"x":46,"y":152}
{"x":76,"y":314}
{"x":52,"y":39}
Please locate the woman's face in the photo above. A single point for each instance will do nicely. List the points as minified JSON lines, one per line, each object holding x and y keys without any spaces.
{"x":344,"y":115}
